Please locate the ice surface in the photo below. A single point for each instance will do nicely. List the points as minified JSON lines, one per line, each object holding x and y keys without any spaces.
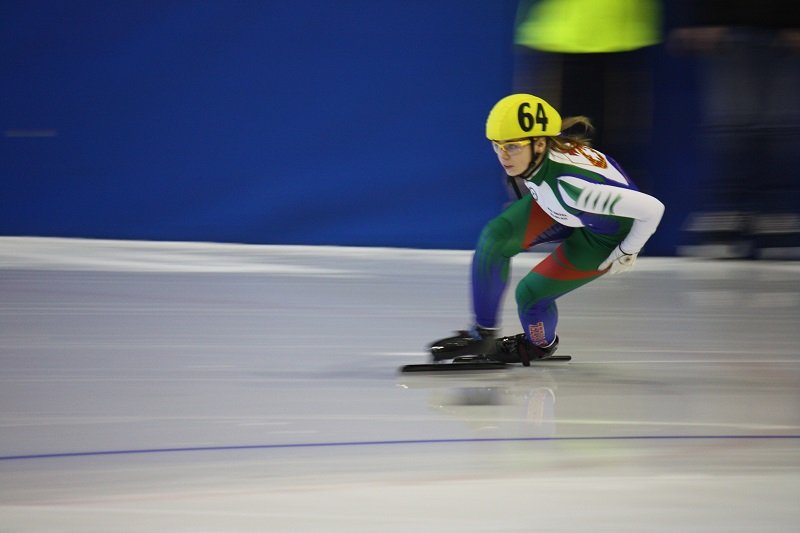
{"x":207,"y":387}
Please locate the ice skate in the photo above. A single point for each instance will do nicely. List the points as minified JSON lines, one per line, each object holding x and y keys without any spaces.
{"x":482,"y":351}
{"x":518,"y":349}
{"x":475,"y":341}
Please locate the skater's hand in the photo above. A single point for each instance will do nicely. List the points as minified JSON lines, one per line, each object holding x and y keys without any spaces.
{"x":618,"y":261}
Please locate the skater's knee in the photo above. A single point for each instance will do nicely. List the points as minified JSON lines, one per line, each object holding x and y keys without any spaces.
{"x":530,"y":293}
{"x":496,"y":237}
{"x":523,"y":294}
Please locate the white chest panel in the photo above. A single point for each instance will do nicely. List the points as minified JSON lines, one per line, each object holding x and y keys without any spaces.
{"x":547,"y":200}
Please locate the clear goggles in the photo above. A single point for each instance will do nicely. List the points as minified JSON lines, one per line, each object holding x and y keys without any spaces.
{"x":510,"y":147}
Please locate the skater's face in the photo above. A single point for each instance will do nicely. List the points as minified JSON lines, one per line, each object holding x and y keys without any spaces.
{"x":516,"y":155}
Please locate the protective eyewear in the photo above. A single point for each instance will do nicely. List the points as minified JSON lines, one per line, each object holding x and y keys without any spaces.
{"x":511,"y":147}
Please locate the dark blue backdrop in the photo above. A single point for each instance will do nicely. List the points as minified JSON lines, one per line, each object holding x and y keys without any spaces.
{"x":351,"y":122}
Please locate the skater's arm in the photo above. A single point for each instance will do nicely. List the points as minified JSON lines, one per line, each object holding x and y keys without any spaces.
{"x":645,"y":210}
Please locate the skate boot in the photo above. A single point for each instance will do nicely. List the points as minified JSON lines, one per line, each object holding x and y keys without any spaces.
{"x":518,"y":349}
{"x":475,"y":341}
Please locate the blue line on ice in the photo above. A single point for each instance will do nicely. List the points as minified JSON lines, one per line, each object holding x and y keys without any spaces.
{"x":393,"y":443}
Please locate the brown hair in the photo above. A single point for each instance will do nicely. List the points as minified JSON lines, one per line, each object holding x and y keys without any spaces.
{"x":565,"y":142}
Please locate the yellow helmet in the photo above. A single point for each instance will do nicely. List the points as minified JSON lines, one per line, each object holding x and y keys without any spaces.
{"x":522,"y":115}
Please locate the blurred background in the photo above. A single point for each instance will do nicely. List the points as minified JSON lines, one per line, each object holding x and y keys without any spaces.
{"x":360,"y":122}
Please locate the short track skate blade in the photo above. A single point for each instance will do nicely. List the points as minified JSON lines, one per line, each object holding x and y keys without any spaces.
{"x":453,"y":367}
{"x":485,"y":359}
{"x":475,"y":362}
{"x":552,"y":358}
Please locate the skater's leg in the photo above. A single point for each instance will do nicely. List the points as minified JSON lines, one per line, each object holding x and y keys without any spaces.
{"x":519,"y":227}
{"x":568,"y":267}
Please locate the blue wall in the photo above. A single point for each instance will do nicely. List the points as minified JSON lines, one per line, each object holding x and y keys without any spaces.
{"x":350,"y":122}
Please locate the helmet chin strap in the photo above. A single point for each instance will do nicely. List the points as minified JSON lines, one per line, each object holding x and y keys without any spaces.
{"x":536,"y":161}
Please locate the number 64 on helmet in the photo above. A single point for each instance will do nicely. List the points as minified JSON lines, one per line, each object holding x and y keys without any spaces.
{"x":522,"y":115}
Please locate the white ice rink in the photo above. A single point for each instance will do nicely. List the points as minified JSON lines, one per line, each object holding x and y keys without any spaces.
{"x":220,"y":388}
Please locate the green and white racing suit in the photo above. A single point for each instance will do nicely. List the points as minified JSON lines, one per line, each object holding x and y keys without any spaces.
{"x":580,"y":198}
